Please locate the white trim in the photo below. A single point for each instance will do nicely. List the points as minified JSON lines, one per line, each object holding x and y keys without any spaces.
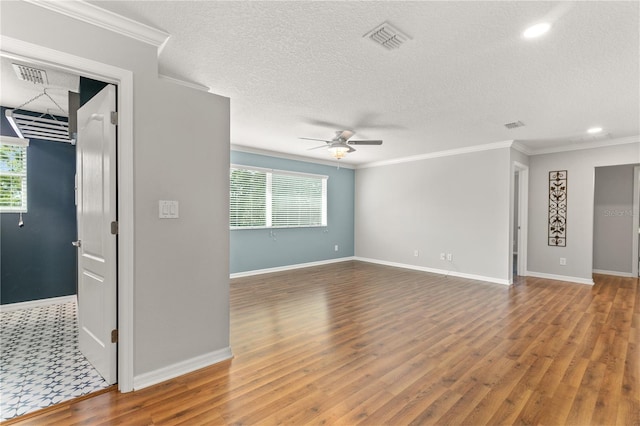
{"x":180,"y":368}
{"x":519,"y":146}
{"x":635,"y":223}
{"x":185,"y":83}
{"x":258,"y":151}
{"x":94,"y":15}
{"x":36,"y":54}
{"x":515,"y":144}
{"x":438,"y":154}
{"x":435,"y":271}
{"x":586,"y":145}
{"x":10,"y":307}
{"x":289,"y":267}
{"x":614,"y":273}
{"x":276,"y":171}
{"x":560,"y":278}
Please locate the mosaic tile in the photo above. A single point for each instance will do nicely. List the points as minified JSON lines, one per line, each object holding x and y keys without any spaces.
{"x":41,"y":362}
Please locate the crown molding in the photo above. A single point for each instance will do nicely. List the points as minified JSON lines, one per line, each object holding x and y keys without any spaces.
{"x":94,"y":15}
{"x":587,"y":145}
{"x":519,"y":146}
{"x":438,"y":154}
{"x":258,"y":151}
{"x":185,"y":83}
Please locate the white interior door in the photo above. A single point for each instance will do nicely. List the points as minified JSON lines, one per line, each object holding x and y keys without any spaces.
{"x":97,"y":269}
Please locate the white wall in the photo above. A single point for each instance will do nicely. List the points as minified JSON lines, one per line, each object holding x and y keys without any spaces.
{"x":581,"y":164}
{"x":181,"y":152}
{"x":613,"y":220}
{"x":457,"y":204}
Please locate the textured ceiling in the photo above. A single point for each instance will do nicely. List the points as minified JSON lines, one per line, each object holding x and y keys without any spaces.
{"x":291,"y":68}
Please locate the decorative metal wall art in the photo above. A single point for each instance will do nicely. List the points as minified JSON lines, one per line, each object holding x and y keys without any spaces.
{"x":558,"y":208}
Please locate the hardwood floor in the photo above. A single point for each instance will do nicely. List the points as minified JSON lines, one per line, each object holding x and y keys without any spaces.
{"x":357,"y":343}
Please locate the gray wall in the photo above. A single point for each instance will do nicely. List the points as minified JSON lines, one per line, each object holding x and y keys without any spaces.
{"x":458,"y":204}
{"x":613,"y":219}
{"x":254,"y":249}
{"x":581,"y":166}
{"x":181,"y":152}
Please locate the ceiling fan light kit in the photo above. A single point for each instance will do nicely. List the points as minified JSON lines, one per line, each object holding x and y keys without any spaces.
{"x":338,"y":152}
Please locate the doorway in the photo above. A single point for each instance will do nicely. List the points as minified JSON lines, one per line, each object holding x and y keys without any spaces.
{"x":42,"y":340}
{"x":615,"y":221}
{"x":635,"y":231}
{"x":123,"y":78}
{"x":519,"y":225}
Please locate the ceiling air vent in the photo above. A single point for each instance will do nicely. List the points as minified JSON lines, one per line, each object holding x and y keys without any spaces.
{"x":34,"y":75}
{"x":514,"y":125}
{"x":387,"y":36}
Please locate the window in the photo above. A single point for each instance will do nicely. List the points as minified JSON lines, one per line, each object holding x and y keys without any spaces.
{"x":13,"y":175}
{"x":264,"y":198}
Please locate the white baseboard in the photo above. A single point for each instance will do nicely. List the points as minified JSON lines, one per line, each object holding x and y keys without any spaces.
{"x":436,"y":271}
{"x":178,"y":369}
{"x":560,"y":278}
{"x":9,"y":307}
{"x":289,"y":267}
{"x":614,"y":273}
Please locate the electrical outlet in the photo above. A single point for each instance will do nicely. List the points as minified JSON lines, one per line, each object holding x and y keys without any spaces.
{"x":563,"y":260}
{"x":416,"y":253}
{"x":443,"y":256}
{"x":449,"y":257}
{"x":335,"y":248}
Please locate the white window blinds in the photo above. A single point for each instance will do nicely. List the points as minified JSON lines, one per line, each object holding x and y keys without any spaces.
{"x":248,"y":198}
{"x":276,"y":198}
{"x":13,"y":175}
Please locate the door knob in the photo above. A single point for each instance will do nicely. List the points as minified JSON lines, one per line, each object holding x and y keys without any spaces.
{"x":76,"y":243}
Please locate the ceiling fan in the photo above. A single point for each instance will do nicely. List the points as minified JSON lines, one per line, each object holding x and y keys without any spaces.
{"x":340,"y":145}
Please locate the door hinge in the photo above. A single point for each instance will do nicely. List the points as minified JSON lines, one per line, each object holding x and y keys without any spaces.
{"x":114,"y":336}
{"x":114,"y":228}
{"x":114,"y":117}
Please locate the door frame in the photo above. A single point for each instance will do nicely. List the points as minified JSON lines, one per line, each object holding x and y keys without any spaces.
{"x":123,"y":79}
{"x":523,"y":218}
{"x":635,"y":222}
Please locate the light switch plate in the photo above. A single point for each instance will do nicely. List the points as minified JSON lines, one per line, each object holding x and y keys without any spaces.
{"x":168,"y":209}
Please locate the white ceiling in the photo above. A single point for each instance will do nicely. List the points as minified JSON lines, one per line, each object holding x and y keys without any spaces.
{"x":291,"y":67}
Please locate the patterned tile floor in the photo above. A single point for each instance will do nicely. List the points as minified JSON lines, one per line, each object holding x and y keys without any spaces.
{"x":40,"y":362}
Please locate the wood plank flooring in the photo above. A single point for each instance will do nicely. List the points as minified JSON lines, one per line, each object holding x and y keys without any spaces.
{"x":356,"y":343}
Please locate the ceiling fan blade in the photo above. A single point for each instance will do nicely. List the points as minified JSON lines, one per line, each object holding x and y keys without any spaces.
{"x":345,"y":134}
{"x":351,"y":149}
{"x":316,"y":147}
{"x":314,"y":139}
{"x":365,"y":142}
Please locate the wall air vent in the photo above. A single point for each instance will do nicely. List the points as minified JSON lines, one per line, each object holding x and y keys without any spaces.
{"x":387,"y":36}
{"x":514,"y":125}
{"x":34,"y":75}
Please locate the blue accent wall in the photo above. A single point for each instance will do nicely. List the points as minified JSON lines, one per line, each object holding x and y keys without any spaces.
{"x":38,"y":261}
{"x":254,"y":249}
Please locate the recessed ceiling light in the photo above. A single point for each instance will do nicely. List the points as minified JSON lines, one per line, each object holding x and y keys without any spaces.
{"x":594,"y":130}
{"x":536,"y":30}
